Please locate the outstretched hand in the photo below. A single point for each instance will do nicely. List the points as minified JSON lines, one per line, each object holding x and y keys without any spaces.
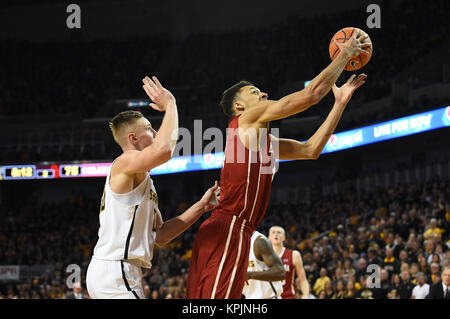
{"x":160,"y":96}
{"x":355,"y":45}
{"x":211,"y":197}
{"x":344,"y":93}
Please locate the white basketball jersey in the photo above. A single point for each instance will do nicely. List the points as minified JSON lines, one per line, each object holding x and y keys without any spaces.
{"x":259,"y":289}
{"x":128,"y":224}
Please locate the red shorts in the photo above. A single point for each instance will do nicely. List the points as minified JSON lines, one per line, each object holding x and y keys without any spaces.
{"x":218,"y":267}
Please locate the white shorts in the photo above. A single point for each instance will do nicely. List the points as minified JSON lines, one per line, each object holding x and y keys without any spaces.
{"x":114,"y":279}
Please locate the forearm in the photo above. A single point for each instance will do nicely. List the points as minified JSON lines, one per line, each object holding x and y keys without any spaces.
{"x":177,"y":225}
{"x":318,"y":141}
{"x":322,"y":83}
{"x":168,"y":132}
{"x":304,"y":287}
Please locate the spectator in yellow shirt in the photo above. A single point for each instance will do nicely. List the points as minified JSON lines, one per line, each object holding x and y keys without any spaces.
{"x":433,"y":230}
{"x":320,"y":283}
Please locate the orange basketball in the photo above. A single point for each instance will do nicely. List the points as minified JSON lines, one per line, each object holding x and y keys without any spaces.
{"x":342,"y":36}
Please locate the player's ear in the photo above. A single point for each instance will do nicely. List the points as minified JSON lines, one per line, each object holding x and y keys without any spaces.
{"x":238,"y":106}
{"x":132,"y":138}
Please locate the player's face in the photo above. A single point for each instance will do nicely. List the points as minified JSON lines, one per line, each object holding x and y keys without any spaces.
{"x":250,"y":96}
{"x":276,"y":235}
{"x":145,"y":133}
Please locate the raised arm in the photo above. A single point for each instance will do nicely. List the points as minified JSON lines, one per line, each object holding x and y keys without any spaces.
{"x":311,"y":149}
{"x":264,"y":251}
{"x":132,"y":162}
{"x":319,"y":87}
{"x":167,"y":231}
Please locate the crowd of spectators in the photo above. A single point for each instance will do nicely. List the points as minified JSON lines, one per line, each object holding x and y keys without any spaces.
{"x":403,"y":229}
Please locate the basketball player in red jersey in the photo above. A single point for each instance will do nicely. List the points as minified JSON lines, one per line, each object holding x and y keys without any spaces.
{"x":293,"y":264}
{"x":221,"y":247}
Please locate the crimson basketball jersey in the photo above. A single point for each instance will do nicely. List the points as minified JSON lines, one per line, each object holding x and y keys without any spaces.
{"x":246,"y":177}
{"x":288,"y":287}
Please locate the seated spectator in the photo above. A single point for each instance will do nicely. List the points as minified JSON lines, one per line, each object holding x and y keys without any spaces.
{"x":422,"y":289}
{"x":390,"y":263}
{"x":441,"y":289}
{"x":340,"y":290}
{"x":364,"y":292}
{"x":329,"y":290}
{"x":348,"y":269}
{"x":433,"y":229}
{"x":319,"y":285}
{"x":350,"y":291}
{"x":362,"y":268}
{"x":435,"y":273}
{"x":406,"y":286}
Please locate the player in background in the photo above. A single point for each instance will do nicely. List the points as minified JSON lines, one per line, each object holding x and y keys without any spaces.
{"x":130,"y":221}
{"x":293,"y":264}
{"x":265,"y":271}
{"x":222,"y":245}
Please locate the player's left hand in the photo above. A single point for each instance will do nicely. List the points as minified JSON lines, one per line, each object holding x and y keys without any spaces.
{"x":211,"y":197}
{"x":344,"y":93}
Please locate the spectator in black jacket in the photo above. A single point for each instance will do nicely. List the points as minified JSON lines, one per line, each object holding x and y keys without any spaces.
{"x":441,"y":290}
{"x":406,"y":286}
{"x":390,"y":263}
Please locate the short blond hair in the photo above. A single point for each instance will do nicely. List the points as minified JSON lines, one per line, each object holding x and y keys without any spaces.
{"x":121,"y":120}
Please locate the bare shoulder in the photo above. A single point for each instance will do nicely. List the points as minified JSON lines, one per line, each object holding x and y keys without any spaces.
{"x":296,"y":256}
{"x":121,"y":163}
{"x":120,"y":181}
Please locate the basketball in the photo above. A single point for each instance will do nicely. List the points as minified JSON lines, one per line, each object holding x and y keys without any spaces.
{"x":343,"y":35}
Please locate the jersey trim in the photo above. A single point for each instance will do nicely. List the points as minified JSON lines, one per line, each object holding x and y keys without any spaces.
{"x":257,"y":187}
{"x":127,"y":244}
{"x":236,"y":263}
{"x":274,"y":291}
{"x":126,"y":281}
{"x":213,"y":294}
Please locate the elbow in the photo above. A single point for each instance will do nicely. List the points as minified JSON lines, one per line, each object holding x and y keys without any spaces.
{"x":314,"y":98}
{"x":314,"y":95}
{"x":313,"y":152}
{"x":315,"y":155}
{"x":160,"y":241}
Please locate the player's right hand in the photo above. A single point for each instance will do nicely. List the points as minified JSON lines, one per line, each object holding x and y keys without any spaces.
{"x":160,"y":96}
{"x":211,"y":197}
{"x":355,"y":45}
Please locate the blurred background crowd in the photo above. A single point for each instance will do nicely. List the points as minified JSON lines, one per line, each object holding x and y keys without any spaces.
{"x":401,"y":228}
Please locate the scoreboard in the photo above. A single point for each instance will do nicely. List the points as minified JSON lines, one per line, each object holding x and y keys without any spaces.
{"x":52,"y":171}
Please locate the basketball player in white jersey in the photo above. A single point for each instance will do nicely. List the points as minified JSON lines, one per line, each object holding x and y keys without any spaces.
{"x":293,"y":264}
{"x":130,"y":221}
{"x":265,"y":271}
